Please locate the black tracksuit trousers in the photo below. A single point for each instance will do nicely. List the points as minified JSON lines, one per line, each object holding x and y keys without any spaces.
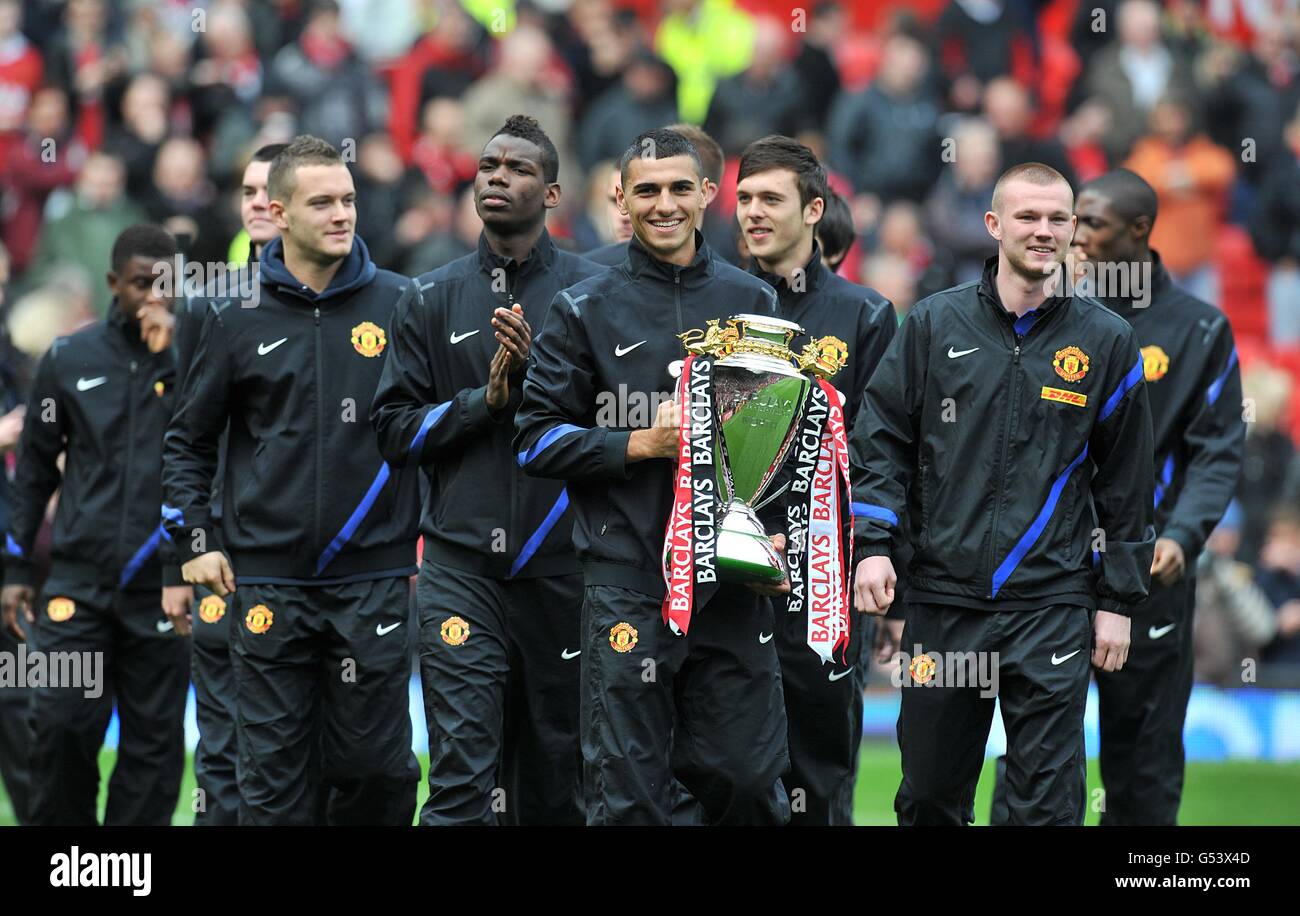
{"x":1041,"y":673}
{"x":217,"y":752}
{"x":145,"y":672}
{"x":705,"y":708}
{"x":15,"y":738}
{"x":322,"y":677}
{"x":823,"y":705}
{"x":499,"y":666}
{"x":1142,"y":708}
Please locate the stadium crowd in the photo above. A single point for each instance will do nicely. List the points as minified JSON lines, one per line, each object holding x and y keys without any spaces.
{"x":114,"y":112}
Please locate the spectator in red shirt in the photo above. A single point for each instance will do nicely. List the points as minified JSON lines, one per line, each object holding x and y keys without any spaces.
{"x":46,"y":158}
{"x":20,"y":73}
{"x":450,"y":56}
{"x":440,"y":152}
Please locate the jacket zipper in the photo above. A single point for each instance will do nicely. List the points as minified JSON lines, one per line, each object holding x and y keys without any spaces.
{"x":320,"y":425}
{"x":130,"y":457}
{"x":677,"y":297}
{"x":515,"y":470}
{"x":1002,"y":461}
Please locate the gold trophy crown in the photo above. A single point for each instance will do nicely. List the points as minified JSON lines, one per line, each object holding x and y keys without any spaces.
{"x":771,"y":337}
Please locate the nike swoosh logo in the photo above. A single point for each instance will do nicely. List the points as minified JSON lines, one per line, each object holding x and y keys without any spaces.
{"x":764,"y":638}
{"x":1064,"y":658}
{"x":953,"y":354}
{"x":835,"y":677}
{"x":1157,"y":632}
{"x":381,"y":630}
{"x":457,"y":338}
{"x":566,"y":654}
{"x":263,"y":349}
{"x":164,"y":626}
{"x":624,"y":351}
{"x":85,"y":384}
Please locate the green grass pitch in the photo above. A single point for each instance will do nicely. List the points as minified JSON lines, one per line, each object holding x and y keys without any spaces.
{"x":1232,"y":792}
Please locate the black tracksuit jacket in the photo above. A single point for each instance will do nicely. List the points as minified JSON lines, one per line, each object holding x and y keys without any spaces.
{"x":434,"y":389}
{"x":997,"y":437}
{"x":829,"y":305}
{"x":611,"y":255}
{"x":611,"y":340}
{"x":1194,"y":384}
{"x":307,"y":497}
{"x":100,"y":396}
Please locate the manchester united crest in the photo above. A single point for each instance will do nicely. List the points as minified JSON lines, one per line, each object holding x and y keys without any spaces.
{"x":454,"y":631}
{"x":212,"y":608}
{"x":1155,"y":363}
{"x":60,"y":609}
{"x":159,"y":388}
{"x":622,"y":637}
{"x":1071,"y":364}
{"x":368,"y":339}
{"x":922,"y":668}
{"x":259,"y":619}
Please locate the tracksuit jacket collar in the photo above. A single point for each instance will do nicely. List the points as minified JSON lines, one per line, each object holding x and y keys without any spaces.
{"x":644,"y":263}
{"x":541,"y":255}
{"x":125,"y":325}
{"x":356,"y":271}
{"x":988,"y":293}
{"x":815,"y":274}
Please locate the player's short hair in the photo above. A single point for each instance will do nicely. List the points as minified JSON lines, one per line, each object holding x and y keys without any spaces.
{"x":268,"y":153}
{"x":778,"y":152}
{"x":835,"y":231}
{"x":1129,"y":194}
{"x":528,"y":128}
{"x":1033,"y":172}
{"x":660,"y":143}
{"x":711,"y":157}
{"x":281,"y":179}
{"x":143,"y":240}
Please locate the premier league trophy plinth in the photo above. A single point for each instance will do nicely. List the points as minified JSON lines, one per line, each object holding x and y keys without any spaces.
{"x":757,"y":392}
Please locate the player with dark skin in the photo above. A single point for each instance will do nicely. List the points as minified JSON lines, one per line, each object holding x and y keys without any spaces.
{"x":507,"y":187}
{"x":485,"y":564}
{"x":1102,"y":235}
{"x":136,"y":294}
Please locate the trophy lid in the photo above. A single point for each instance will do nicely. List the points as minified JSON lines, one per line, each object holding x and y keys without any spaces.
{"x":767,"y":327}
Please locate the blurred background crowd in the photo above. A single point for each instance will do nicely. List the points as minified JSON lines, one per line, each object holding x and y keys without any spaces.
{"x":118,"y":111}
